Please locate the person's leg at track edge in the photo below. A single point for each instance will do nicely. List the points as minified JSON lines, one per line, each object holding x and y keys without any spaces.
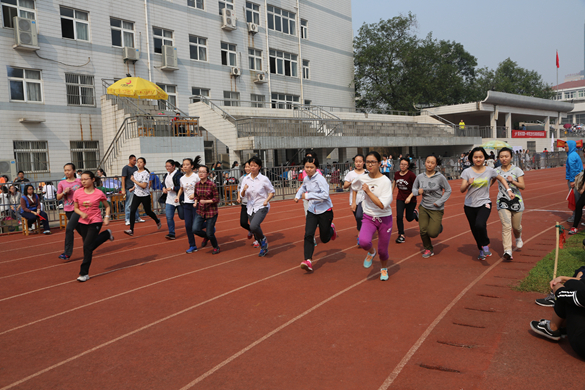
{"x":255,"y":221}
{"x":384,"y":233}
{"x":400,"y":206}
{"x":133,"y":209}
{"x":170,"y":215}
{"x":145,"y":200}
{"x":189,"y":213}
{"x":577,"y":214}
{"x":72,"y":226}
{"x":424,"y":218}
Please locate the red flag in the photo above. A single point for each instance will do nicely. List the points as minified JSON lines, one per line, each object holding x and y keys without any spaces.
{"x":561,"y":143}
{"x":562,"y":238}
{"x":579,"y":144}
{"x":571,"y":198}
{"x":557,"y":59}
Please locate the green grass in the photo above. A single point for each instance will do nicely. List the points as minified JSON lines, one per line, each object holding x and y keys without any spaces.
{"x":571,"y":257}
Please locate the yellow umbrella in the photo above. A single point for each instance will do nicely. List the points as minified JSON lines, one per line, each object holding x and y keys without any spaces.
{"x":137,"y":88}
{"x":495,"y":145}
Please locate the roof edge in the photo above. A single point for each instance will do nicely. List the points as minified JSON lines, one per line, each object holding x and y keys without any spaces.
{"x":510,"y":99}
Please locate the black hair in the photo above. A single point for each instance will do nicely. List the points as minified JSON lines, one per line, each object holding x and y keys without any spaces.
{"x":312,"y":160}
{"x":49,"y":183}
{"x":19,"y":172}
{"x":204,"y":166}
{"x":359,"y":155}
{"x":256,"y":160}
{"x":375,"y":154}
{"x":80,"y":170}
{"x":26,"y":187}
{"x":477,"y":149}
{"x":506,"y":150}
{"x":72,"y":166}
{"x":194,"y":162}
{"x":404,"y":159}
{"x":102,"y":170}
{"x":131,"y":156}
{"x":234,"y":164}
{"x":93,"y":177}
{"x":4,"y":189}
{"x":437,"y":159}
{"x":247,"y":162}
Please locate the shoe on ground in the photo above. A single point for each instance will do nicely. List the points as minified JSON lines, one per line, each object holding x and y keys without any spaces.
{"x":334,"y":235}
{"x":111,"y":235}
{"x":191,"y":249}
{"x":400,"y":239}
{"x":427,"y":253}
{"x":263,"y":247}
{"x":129,"y":232}
{"x":415,"y":215}
{"x":127,"y":223}
{"x":384,"y":274}
{"x":170,"y":236}
{"x":140,"y":220}
{"x":63,"y":256}
{"x":369,"y":258}
{"x":307,"y":265}
{"x":548,"y":301}
{"x":571,"y":220}
{"x":572,"y":231}
{"x":256,"y":244}
{"x":542,"y":327}
{"x":215,"y":251}
{"x":486,"y":251}
{"x":204,"y":242}
{"x":47,"y":232}
{"x":83,"y":278}
{"x":508,"y":256}
{"x":481,"y":255}
{"x":250,"y":235}
{"x":519,"y":243}
{"x":159,"y":225}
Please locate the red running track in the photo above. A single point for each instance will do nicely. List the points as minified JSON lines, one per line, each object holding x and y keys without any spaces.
{"x":152,"y":316}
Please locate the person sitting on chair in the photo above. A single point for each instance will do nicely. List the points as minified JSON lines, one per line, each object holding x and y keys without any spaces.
{"x":30,"y":209}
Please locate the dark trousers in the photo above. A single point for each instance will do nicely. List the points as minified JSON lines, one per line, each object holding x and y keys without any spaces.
{"x":209,"y":226}
{"x":359,"y":215}
{"x":578,"y":213}
{"x":92,"y":238}
{"x":32,"y":218}
{"x":575,"y":318}
{"x":145,"y":202}
{"x":400,"y":208}
{"x":477,"y":217}
{"x":72,"y":225}
{"x":255,"y":221}
{"x":244,"y":218}
{"x":189,"y":214}
{"x":325,"y":230}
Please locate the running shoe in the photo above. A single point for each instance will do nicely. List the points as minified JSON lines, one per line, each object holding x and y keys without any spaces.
{"x":549,"y":301}
{"x":400,"y":239}
{"x":508,"y":256}
{"x":158,"y":225}
{"x":358,"y":240}
{"x":571,"y":220}
{"x":481,"y":255}
{"x":572,"y":231}
{"x":215,"y":251}
{"x":191,"y":249}
{"x":542,"y":327}
{"x":140,"y":220}
{"x":384,"y":274}
{"x":334,"y":234}
{"x":127,"y":223}
{"x":83,"y":278}
{"x":170,"y":236}
{"x":307,"y":265}
{"x":427,"y":253}
{"x":250,"y":235}
{"x":519,"y":243}
{"x":129,"y":232}
{"x":263,"y":247}
{"x":415,"y":215}
{"x":256,"y":244}
{"x":204,"y":242}
{"x":63,"y":256}
{"x":47,"y":232}
{"x":368,"y":259}
{"x":486,"y":251}
{"x":314,"y":241}
{"x":111,"y":235}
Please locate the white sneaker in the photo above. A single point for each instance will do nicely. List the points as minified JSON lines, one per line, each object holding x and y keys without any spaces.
{"x":83,"y":278}
{"x":111,"y":235}
{"x":47,"y":232}
{"x":127,"y":223}
{"x":140,"y":220}
{"x":519,"y":243}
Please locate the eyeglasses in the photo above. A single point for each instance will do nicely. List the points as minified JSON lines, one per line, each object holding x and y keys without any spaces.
{"x":371,"y":162}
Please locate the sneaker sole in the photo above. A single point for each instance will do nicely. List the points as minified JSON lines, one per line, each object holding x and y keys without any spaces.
{"x":543,"y":333}
{"x":507,"y":257}
{"x":306,"y":267}
{"x":544,"y":304}
{"x":427,"y":256}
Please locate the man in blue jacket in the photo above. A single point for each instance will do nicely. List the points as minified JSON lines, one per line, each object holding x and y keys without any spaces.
{"x":573,"y":167}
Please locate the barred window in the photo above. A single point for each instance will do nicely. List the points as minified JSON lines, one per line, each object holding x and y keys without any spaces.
{"x":80,"y":90}
{"x":257,"y":100}
{"x":31,"y":156}
{"x":85,"y":154}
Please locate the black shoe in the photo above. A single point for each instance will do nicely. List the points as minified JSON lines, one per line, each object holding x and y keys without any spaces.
{"x":170,"y":236}
{"x":400,"y":239}
{"x":542,"y":327}
{"x":204,"y":243}
{"x":416,"y":215}
{"x":549,"y":301}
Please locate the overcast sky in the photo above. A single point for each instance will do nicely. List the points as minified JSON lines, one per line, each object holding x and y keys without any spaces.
{"x":527,"y":31}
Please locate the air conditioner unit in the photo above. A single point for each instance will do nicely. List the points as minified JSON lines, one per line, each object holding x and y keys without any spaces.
{"x":169,"y":58}
{"x":131,"y":54}
{"x":252,"y":28}
{"x":261,"y":78}
{"x":25,"y":34}
{"x":228,"y":18}
{"x":235,"y":71}
{"x":8,"y":168}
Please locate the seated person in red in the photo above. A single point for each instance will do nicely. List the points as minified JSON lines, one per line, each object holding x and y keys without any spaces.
{"x":31,"y":210}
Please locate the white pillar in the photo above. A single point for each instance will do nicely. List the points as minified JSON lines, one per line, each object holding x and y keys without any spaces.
{"x":508,"y":125}
{"x":493,"y":124}
{"x":547,"y":125}
{"x":558,"y":126}
{"x":574,"y":119}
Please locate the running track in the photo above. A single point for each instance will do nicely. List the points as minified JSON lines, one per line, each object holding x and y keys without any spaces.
{"x":154,"y":317}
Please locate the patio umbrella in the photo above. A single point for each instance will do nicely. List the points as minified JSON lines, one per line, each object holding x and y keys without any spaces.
{"x":567,"y":126}
{"x":137,"y":88}
{"x":496,"y":145}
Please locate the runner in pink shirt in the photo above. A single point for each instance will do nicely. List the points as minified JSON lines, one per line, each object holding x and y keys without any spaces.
{"x":65,"y":191}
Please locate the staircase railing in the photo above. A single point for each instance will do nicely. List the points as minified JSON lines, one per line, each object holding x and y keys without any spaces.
{"x":214,"y":107}
{"x":128,"y":105}
{"x":121,"y":136}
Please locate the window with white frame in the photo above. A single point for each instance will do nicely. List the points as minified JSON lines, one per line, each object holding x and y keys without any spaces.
{"x":85,"y":154}
{"x":195,"y":3}
{"x":229,"y":4}
{"x":31,"y":156}
{"x":80,"y":90}
{"x":306,"y":70}
{"x":171,"y":90}
{"x":231,"y":98}
{"x":257,"y":100}
{"x":284,"y":101}
{"x":21,"y":8}
{"x":122,"y":33}
{"x":304,"y":29}
{"x":25,"y":85}
{"x":281,"y":20}
{"x":569,"y":95}
{"x":198,"y":48}
{"x":283,"y":63}
{"x":228,"y":54}
{"x":161,"y":37}
{"x":74,"y":24}
{"x":582,"y":93}
{"x":255,"y":59}
{"x":252,"y":13}
{"x":196,"y":91}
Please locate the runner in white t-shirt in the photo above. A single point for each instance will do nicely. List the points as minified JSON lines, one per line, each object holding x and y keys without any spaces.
{"x":172,"y":184}
{"x":188,"y":182}
{"x":356,"y":194}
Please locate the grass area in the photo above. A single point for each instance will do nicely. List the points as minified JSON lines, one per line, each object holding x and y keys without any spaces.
{"x":571,"y":257}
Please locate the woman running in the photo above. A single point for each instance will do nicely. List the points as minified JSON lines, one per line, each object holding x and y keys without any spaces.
{"x":435,"y":191}
{"x":188,"y":182}
{"x":244,"y":211}
{"x":510,"y":212}
{"x":258,"y":191}
{"x":87,"y":206}
{"x":141,"y":180}
{"x":405,"y":200}
{"x":356,"y":194}
{"x":65,"y":190}
{"x":172,"y":184}
{"x":206,"y":198}
{"x":30,"y":209}
{"x":377,"y":207}
{"x":478,"y":206}
{"x":315,"y":189}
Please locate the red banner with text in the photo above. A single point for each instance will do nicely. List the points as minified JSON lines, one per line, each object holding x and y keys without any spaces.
{"x":528,"y":134}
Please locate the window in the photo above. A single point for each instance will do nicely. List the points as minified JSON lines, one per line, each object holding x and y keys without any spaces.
{"x":283,"y":63}
{"x":304,"y":29}
{"x":308,"y":102}
{"x":31,"y":156}
{"x":560,"y":96}
{"x":161,"y":37}
{"x":25,"y":85}
{"x":195,"y":91}
{"x":85,"y":154}
{"x":306,"y":73}
{"x":22,"y":8}
{"x":281,"y":20}
{"x":228,"y":54}
{"x":198,"y":48}
{"x":231,"y":98}
{"x":74,"y":24}
{"x":582,"y":93}
{"x":281,"y":100}
{"x":252,"y":13}
{"x":171,"y":90}
{"x":195,"y":3}
{"x":122,"y":33}
{"x":255,"y":59}
{"x":569,"y":95}
{"x":229,"y":4}
{"x":80,"y":90}
{"x":257,"y":100}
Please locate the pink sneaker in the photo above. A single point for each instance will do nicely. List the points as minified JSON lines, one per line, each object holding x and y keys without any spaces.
{"x":306,"y":265}
{"x":256,"y":244}
{"x":334,"y":236}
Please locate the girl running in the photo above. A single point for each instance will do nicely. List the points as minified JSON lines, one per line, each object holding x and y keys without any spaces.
{"x":172,"y":184}
{"x":65,"y":190}
{"x":243,"y":212}
{"x":435,"y":191}
{"x":258,"y":191}
{"x":206,"y":198}
{"x":188,"y":182}
{"x":405,"y":200}
{"x":87,"y":206}
{"x":30,"y":209}
{"x":141,"y":179}
{"x":510,"y":212}
{"x":478,"y":206}
{"x":356,"y":194}
{"x":377,"y":207}
{"x":316,"y":190}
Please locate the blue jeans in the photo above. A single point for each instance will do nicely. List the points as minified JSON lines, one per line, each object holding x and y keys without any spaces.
{"x":170,"y":213}
{"x":189,"y":213}
{"x":128,"y":205}
{"x":207,"y":224}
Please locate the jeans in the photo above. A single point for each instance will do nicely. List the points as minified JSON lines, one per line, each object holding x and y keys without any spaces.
{"x":477,"y":218}
{"x":189,"y":213}
{"x":32,"y":218}
{"x":170,"y":213}
{"x":128,"y":205}
{"x":72,"y":225}
{"x":209,"y":224}
{"x":255,"y":221}
{"x":92,"y":238}
{"x":322,"y":220}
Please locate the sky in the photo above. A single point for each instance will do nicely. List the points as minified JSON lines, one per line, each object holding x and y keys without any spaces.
{"x":527,"y":31}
